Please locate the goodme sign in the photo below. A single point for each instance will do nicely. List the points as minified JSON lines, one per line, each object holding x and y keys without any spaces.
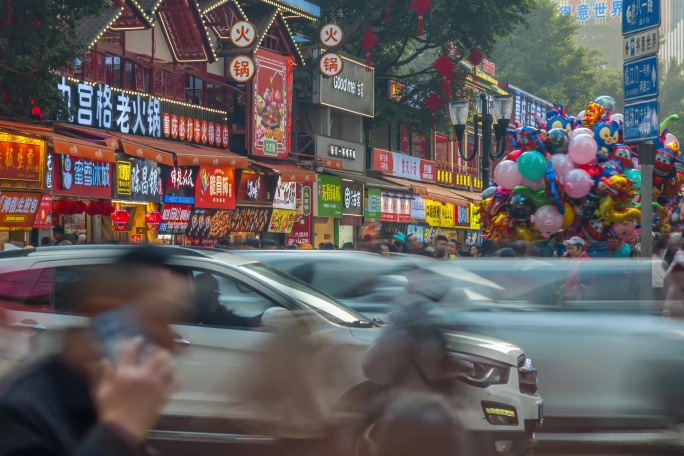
{"x":352,"y":90}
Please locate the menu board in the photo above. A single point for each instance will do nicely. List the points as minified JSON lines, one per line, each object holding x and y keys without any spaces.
{"x":282,"y":221}
{"x":243,"y":220}
{"x":200,"y":223}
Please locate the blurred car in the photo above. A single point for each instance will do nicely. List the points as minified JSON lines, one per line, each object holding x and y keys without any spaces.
{"x":497,"y":387}
{"x":608,"y":361}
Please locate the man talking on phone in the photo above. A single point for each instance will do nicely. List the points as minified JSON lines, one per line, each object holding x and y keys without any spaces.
{"x":81,"y":402}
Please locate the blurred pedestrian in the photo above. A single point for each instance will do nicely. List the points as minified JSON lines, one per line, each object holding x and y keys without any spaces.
{"x":251,"y":244}
{"x":413,"y":245}
{"x":57,"y":233}
{"x":487,"y":249}
{"x":506,"y":252}
{"x":328,"y":246}
{"x":519,"y":248}
{"x":659,"y":267}
{"x":268,"y":244}
{"x":441,"y":247}
{"x":82,"y":403}
{"x":381,"y":248}
{"x":453,"y":248}
{"x":475,"y":251}
{"x":46,"y":241}
{"x":674,"y":285}
{"x":577,"y":286}
{"x":321,"y":246}
{"x":305,"y":247}
{"x":348,"y":246}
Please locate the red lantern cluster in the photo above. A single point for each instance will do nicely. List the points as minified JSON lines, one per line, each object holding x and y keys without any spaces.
{"x":434,"y":102}
{"x":67,"y":207}
{"x":153,"y":220}
{"x":96,"y":208}
{"x":445,"y":66}
{"x":368,"y":41}
{"x":120,"y":218}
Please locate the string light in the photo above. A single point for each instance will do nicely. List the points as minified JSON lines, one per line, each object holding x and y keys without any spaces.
{"x":149,"y":20}
{"x":104,"y":30}
{"x":303,"y":14}
{"x":289,"y":32}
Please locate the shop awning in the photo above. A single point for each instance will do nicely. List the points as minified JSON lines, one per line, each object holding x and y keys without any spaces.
{"x":131,"y":146}
{"x":473,"y":197}
{"x":88,"y":134}
{"x":289,"y":173}
{"x":431,"y":191}
{"x":368,"y":181}
{"x":69,"y":146}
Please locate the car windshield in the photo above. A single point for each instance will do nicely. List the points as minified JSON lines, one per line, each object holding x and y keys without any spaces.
{"x":316,"y":300}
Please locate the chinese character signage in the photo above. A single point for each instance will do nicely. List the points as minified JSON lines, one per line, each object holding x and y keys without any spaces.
{"x":201,"y":222}
{"x":253,"y":187}
{"x":395,"y":207}
{"x":526,"y":108}
{"x":215,"y":188}
{"x":474,"y":217}
{"x":285,"y":196}
{"x":433,"y":212}
{"x":44,"y":216}
{"x":301,"y":230}
{"x":180,"y":184}
{"x":18,"y":210}
{"x":588,"y":12}
{"x":82,"y":177}
{"x":419,"y":144}
{"x":329,"y":196}
{"x":462,"y":217}
{"x":352,"y":198}
{"x":372,"y":204}
{"x":352,"y":90}
{"x":175,"y":218}
{"x":271,"y":115}
{"x":241,"y":220}
{"x":417,"y":208}
{"x":447,"y":216}
{"x":283,"y":220}
{"x":400,"y":165}
{"x":331,"y":64}
{"x":351,"y":154}
{"x":22,"y":162}
{"x":138,"y":180}
{"x":101,"y":106}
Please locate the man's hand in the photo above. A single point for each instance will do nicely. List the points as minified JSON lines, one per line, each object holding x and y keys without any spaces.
{"x":131,"y":394}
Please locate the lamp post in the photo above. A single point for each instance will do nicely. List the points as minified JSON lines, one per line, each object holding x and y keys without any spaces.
{"x":458,"y":111}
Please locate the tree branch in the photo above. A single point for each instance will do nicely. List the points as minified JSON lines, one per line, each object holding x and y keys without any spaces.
{"x":396,"y":59}
{"x":416,"y":54}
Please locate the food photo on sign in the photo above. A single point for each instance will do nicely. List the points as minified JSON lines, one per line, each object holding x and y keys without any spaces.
{"x":241,"y":220}
{"x":200,"y":223}
{"x":272,"y":89}
{"x":215,"y":188}
{"x":283,"y":220}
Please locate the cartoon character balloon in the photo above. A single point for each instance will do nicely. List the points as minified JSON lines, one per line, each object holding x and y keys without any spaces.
{"x":606,"y":135}
{"x":558,"y":118}
{"x":547,"y":220}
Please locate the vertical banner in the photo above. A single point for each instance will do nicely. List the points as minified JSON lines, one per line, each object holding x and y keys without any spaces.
{"x":301,"y":232}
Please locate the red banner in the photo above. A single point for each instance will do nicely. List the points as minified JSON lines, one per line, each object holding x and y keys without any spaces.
{"x":175,"y":218}
{"x":404,"y":166}
{"x":215,"y":188}
{"x":18,"y":210}
{"x":44,"y":216}
{"x":22,"y":162}
{"x":82,"y":177}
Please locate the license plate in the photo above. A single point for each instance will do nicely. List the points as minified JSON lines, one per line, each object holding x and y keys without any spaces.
{"x":541,"y":413}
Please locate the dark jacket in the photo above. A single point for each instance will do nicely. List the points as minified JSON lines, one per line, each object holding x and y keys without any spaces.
{"x":46,"y":409}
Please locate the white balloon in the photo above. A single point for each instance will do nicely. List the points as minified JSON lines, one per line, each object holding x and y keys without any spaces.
{"x":581,"y":115}
{"x":617,"y":118}
{"x":581,"y":131}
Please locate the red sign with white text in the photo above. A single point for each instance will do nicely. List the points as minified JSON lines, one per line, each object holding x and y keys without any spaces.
{"x":215,"y":188}
{"x":78,"y":176}
{"x":400,"y":165}
{"x":44,"y":216}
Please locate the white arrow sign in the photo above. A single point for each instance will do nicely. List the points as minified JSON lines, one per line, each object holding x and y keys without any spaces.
{"x":641,"y":44}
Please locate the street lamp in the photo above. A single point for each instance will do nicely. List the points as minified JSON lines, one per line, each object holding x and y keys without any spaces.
{"x":501,"y":107}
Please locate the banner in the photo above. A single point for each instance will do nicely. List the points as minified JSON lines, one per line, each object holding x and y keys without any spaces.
{"x":180,"y":184}
{"x":417,"y":230}
{"x":82,"y":177}
{"x":215,"y":188}
{"x":252,"y":188}
{"x":417,"y":208}
{"x":285,"y":196}
{"x":44,"y":216}
{"x":301,"y":231}
{"x":433,"y":212}
{"x":200,"y":223}
{"x":404,"y":166}
{"x":175,"y":218}
{"x":474,"y":217}
{"x":447,"y":216}
{"x":395,"y":207}
{"x":22,"y":162}
{"x":462,"y":217}
{"x":329,"y":196}
{"x":18,"y":210}
{"x":138,"y":179}
{"x":352,"y":203}
{"x":282,"y":221}
{"x":372,"y":204}
{"x":241,"y":220}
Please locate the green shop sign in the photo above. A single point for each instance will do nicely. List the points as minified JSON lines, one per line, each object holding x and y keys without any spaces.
{"x":329,"y":196}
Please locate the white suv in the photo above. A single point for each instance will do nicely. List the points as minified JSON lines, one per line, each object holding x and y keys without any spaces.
{"x":500,"y":401}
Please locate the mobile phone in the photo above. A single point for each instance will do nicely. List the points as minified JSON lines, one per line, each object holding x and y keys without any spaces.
{"x":116,"y":326}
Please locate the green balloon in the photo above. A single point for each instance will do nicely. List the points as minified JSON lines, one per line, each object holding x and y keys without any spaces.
{"x":532,"y":165}
{"x":635,"y":175}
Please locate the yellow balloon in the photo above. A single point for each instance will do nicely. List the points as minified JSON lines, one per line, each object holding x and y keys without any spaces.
{"x":524,"y":234}
{"x":569,"y":215}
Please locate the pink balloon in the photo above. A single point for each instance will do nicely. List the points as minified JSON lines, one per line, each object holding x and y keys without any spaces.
{"x":577,"y":183}
{"x":548,"y":220}
{"x":562,"y":164}
{"x":579,"y":132}
{"x":533,"y":184}
{"x":582,"y":149}
{"x":507,"y":175}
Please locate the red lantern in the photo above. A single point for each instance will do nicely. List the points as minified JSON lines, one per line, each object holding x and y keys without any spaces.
{"x":153,"y":219}
{"x":61,"y":206}
{"x":445,"y":67}
{"x":107,"y":209}
{"x":420,"y":7}
{"x":475,"y":56}
{"x":120,"y":218}
{"x":434,"y":102}
{"x":368,"y":40}
{"x":387,"y":13}
{"x":79,"y":207}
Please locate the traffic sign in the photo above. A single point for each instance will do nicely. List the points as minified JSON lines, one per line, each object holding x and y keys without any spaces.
{"x":641,"y":78}
{"x":638,"y":15}
{"x":641,"y":121}
{"x":641,"y":44}
{"x":330,"y":64}
{"x":242,"y":34}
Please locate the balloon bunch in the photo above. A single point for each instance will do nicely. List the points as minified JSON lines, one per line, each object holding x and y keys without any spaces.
{"x":575,"y":176}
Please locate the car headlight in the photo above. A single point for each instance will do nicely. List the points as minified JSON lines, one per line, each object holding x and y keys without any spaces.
{"x":478,"y":371}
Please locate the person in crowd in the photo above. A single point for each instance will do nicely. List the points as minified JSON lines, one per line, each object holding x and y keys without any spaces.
{"x":453,"y":249}
{"x":519,"y":248}
{"x":464,"y":251}
{"x":268,"y":244}
{"x":475,"y":251}
{"x":328,"y":246}
{"x":65,"y":242}
{"x":674,"y":285}
{"x":321,"y":246}
{"x":292,"y":247}
{"x":392,"y":246}
{"x":57,"y":233}
{"x":348,"y":246}
{"x":46,"y":241}
{"x":71,"y":238}
{"x":441,"y":247}
{"x":223,"y":244}
{"x":577,"y":285}
{"x":251,"y":244}
{"x":79,"y":402}
{"x":82,"y":239}
{"x":305,"y":247}
{"x":659,"y":267}
{"x":488,"y":248}
{"x":506,"y":252}
{"x":209,"y":309}
{"x":413,"y":245}
{"x":382,"y":248}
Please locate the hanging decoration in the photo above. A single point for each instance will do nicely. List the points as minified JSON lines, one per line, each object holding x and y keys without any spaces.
{"x":79,"y":207}
{"x":387,"y":13}
{"x":475,"y":58}
{"x":62,"y":206}
{"x":120,"y":218}
{"x":433,"y":102}
{"x":153,"y":220}
{"x":445,"y":67}
{"x":420,"y":7}
{"x":368,"y":41}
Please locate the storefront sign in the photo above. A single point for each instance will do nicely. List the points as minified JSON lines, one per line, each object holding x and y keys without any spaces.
{"x":417,"y":230}
{"x":447,"y":216}
{"x":462,"y":217}
{"x":372,"y":204}
{"x":285,"y":195}
{"x":101,"y":106}
{"x":282,"y":221}
{"x":175,"y":218}
{"x":271,"y":114}
{"x":395,"y":207}
{"x":415,"y":144}
{"x":433,"y":212}
{"x":22,"y":162}
{"x":138,"y":180}
{"x":352,"y":198}
{"x":49,"y":167}
{"x":527,"y":107}
{"x":329,"y":196}
{"x":82,"y":177}
{"x":252,"y":188}
{"x":417,"y":208}
{"x":352,"y":90}
{"x":200,"y":222}
{"x":351,"y":154}
{"x":474,"y":217}
{"x":44,"y":216}
{"x":407,"y":167}
{"x":301,"y":231}
{"x":241,"y":220}
{"x":215,"y":188}
{"x":18,"y":210}
{"x":180,"y":184}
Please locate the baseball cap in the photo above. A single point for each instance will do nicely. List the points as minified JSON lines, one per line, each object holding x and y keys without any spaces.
{"x":575,"y":240}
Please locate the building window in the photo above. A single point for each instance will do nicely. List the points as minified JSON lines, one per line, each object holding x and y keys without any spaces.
{"x":216,"y":96}
{"x":130,"y":80}
{"x":113,"y":65}
{"x":193,"y":89}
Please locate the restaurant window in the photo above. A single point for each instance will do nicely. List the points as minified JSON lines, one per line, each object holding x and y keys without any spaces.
{"x":216,"y":96}
{"x":129,"y":81}
{"x":193,"y":89}
{"x":113,"y":70}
